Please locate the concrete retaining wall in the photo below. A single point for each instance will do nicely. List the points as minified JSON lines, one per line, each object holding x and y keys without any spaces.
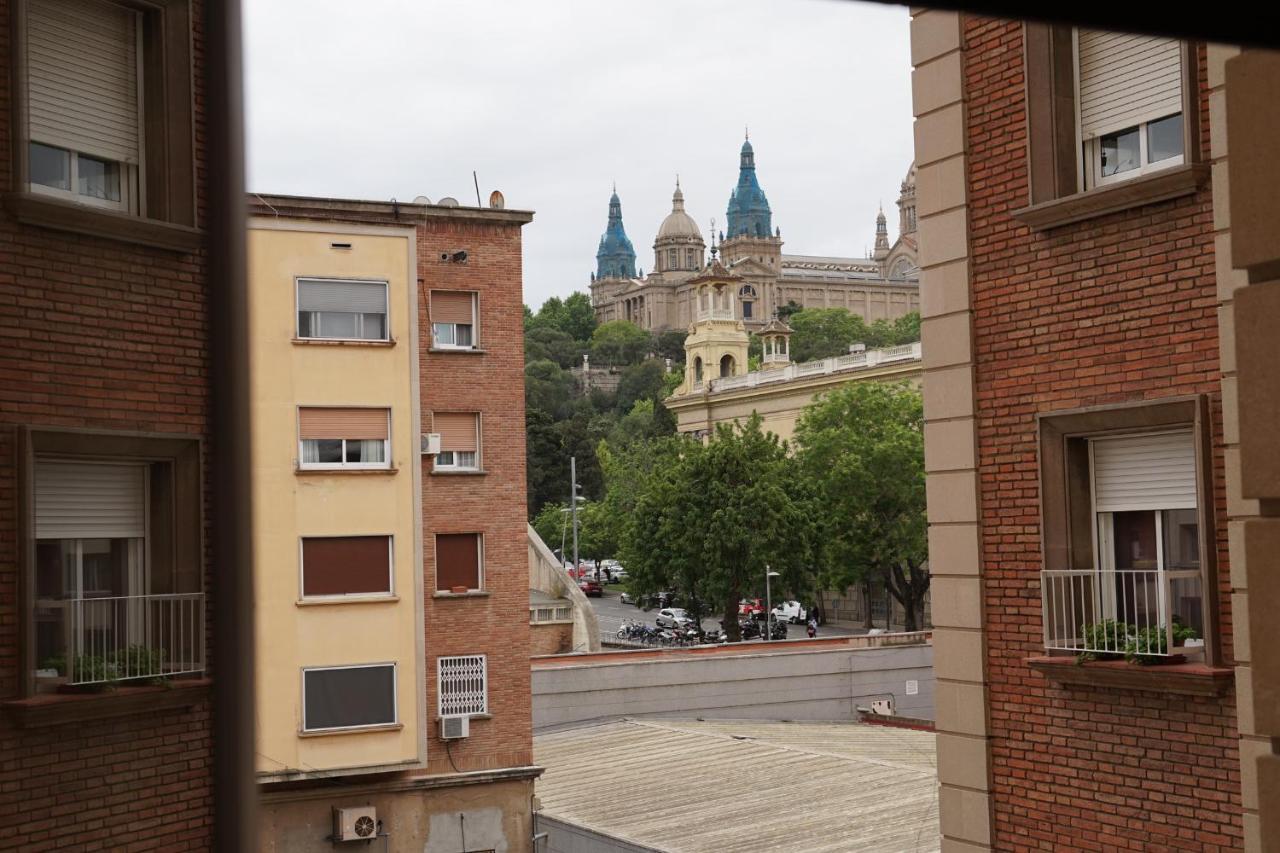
{"x":563,"y":837}
{"x":807,"y":681}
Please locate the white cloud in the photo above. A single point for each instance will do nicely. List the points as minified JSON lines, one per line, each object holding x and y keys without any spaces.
{"x":552,"y":102}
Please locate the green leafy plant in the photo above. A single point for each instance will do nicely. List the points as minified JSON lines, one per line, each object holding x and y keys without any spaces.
{"x":138,"y":660}
{"x":1150,"y":645}
{"x":1105,"y":640}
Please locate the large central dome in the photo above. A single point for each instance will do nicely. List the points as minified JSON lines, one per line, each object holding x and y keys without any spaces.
{"x":678,"y":223}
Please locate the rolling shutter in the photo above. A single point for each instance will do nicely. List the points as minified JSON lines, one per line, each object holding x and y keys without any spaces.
{"x":352,"y":297}
{"x":76,"y":500}
{"x":457,"y":561}
{"x":1127,"y":79}
{"x":346,"y":565}
{"x":349,"y":697}
{"x":1144,"y":472}
{"x":82,"y":72}
{"x":457,"y":430}
{"x":452,"y":306}
{"x":316,"y":422}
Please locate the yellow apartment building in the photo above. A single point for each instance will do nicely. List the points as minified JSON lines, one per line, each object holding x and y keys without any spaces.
{"x":337,"y":499}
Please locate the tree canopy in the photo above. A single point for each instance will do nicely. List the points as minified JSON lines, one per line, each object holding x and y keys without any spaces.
{"x":618,"y":343}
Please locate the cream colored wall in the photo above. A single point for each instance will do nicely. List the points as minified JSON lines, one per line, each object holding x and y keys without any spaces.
{"x":778,"y":404}
{"x":289,"y":505}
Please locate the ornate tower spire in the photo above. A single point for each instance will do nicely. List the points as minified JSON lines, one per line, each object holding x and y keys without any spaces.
{"x":749,"y":213}
{"x":615,"y":258}
{"x":882,"y":236}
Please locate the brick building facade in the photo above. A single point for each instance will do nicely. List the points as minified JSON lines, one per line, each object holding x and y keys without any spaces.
{"x":1075,"y":315}
{"x":105,"y":321}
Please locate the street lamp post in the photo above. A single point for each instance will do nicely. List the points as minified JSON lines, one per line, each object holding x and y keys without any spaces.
{"x":768,"y":603}
{"x":573,"y":505}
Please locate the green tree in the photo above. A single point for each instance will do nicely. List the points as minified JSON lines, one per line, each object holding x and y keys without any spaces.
{"x":643,"y":381}
{"x":618,"y":343}
{"x":578,"y":319}
{"x":861,"y":450}
{"x":710,"y":522}
{"x":543,"y":455}
{"x":670,"y":344}
{"x":545,"y":343}
{"x":548,"y":388}
{"x":906,"y":329}
{"x":785,"y":312}
{"x":825,"y":332}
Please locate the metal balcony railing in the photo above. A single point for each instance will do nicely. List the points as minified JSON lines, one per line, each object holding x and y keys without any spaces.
{"x":136,"y":636}
{"x":1133,"y":612}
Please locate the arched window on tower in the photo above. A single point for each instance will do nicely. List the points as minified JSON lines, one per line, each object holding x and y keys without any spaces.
{"x":690,"y":259}
{"x":673,"y":259}
{"x":726,"y":367}
{"x":697,"y":369}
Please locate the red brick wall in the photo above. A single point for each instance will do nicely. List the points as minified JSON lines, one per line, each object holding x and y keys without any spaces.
{"x":1113,"y":309}
{"x":97,"y":334}
{"x":492,"y":503}
{"x":555,"y":639}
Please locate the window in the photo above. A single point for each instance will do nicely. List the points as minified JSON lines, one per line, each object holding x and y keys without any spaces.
{"x":459,"y":562}
{"x":337,"y":566}
{"x":453,"y":319}
{"x":746,"y":310}
{"x":331,"y":438}
{"x":691,"y":258}
{"x":349,"y":697}
{"x":1126,"y":512}
{"x":116,"y":572}
{"x":459,"y":441}
{"x":1103,"y":109}
{"x":104,"y":108}
{"x":463,"y":685}
{"x":673,"y":259}
{"x":84,"y":124}
{"x":354,"y":310}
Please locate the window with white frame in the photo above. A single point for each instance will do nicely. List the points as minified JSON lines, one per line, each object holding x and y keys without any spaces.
{"x":340,"y":438}
{"x":342,"y":309}
{"x":84,"y":94}
{"x":349,"y":697}
{"x":463,"y":685}
{"x":453,"y":319}
{"x":1137,"y":587}
{"x":1130,"y":95}
{"x":459,"y":441}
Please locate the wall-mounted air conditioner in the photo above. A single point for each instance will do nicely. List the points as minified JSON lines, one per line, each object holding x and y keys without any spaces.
{"x":883,"y":707}
{"x":359,"y":823}
{"x":455,"y":727}
{"x":430,"y":443}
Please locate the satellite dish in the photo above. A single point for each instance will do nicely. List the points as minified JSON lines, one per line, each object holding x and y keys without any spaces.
{"x":448,"y":201}
{"x":422,"y":199}
{"x":496,"y":201}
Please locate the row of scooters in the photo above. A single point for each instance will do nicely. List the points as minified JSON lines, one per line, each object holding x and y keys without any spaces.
{"x":693,"y":635}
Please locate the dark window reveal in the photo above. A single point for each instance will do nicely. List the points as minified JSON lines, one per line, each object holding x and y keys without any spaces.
{"x":349,"y":697}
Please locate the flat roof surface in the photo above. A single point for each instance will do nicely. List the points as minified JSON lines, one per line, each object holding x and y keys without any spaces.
{"x":694,"y":786}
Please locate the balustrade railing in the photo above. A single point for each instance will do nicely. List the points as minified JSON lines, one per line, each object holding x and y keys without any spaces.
{"x":136,"y":636}
{"x":1132,"y":612}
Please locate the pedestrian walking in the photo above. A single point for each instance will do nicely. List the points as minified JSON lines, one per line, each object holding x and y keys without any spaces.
{"x":813,"y":627}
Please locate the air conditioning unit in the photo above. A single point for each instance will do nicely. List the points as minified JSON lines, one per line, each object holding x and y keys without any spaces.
{"x":355,"y":824}
{"x":455,"y":727}
{"x":430,"y":443}
{"x":884,"y":707}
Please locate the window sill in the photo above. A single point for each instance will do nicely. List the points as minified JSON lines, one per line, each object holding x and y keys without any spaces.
{"x":1158,"y":186}
{"x":339,"y":342}
{"x":472,"y":593}
{"x":55,"y":709}
{"x":389,"y":727}
{"x":1189,"y":679}
{"x":470,"y":472}
{"x":348,"y":599}
{"x":47,"y":212}
{"x":343,"y":472}
{"x":459,"y":350}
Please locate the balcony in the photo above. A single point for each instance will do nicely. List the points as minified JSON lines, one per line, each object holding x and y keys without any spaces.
{"x":716,"y":314}
{"x":1140,"y":614}
{"x":124,"y":638}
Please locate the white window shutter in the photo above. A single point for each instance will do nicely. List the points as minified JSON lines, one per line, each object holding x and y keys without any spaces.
{"x":1126,"y":79}
{"x":1144,"y":472}
{"x":77,"y":500}
{"x":359,"y":297}
{"x":82,"y":77}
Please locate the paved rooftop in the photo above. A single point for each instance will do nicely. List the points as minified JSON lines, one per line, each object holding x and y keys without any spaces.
{"x":689,"y":787}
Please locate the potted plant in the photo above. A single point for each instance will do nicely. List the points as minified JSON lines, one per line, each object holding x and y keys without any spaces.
{"x":1106,"y":640}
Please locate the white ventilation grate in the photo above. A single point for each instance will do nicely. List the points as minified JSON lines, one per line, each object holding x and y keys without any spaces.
{"x":463,"y":685}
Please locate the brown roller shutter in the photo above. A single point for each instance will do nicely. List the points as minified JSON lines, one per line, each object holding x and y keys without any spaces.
{"x":452,"y":306}
{"x":457,"y":561}
{"x":343,"y":423}
{"x":457,"y":430}
{"x":346,"y":565}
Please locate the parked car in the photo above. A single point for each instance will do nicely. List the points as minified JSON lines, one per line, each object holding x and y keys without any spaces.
{"x":591,"y":587}
{"x":790,"y":611}
{"x":751,"y":607}
{"x":657,"y":599}
{"x":626,"y":598}
{"x":672,"y":617}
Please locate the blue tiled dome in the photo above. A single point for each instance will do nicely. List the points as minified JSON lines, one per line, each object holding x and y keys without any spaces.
{"x":749,"y":212}
{"x":615,"y":258}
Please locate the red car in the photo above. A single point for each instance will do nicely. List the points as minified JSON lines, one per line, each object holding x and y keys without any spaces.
{"x":590,"y":587}
{"x":752,"y":607}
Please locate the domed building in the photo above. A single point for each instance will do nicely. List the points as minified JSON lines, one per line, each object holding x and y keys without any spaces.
{"x":883,"y":285}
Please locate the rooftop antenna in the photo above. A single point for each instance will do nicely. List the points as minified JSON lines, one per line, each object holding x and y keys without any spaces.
{"x":476,"y":181}
{"x":746,"y":132}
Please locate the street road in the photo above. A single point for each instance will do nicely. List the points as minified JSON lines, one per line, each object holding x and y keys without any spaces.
{"x":611,"y":613}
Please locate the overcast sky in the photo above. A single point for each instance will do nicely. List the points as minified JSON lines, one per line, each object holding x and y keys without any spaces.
{"x":551,"y":102}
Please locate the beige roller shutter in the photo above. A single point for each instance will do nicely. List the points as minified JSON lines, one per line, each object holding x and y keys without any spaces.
{"x":1127,"y":79}
{"x":76,"y":500}
{"x":452,"y":306}
{"x":82,"y":73}
{"x":1144,"y":472}
{"x":316,"y":422}
{"x":457,"y":430}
